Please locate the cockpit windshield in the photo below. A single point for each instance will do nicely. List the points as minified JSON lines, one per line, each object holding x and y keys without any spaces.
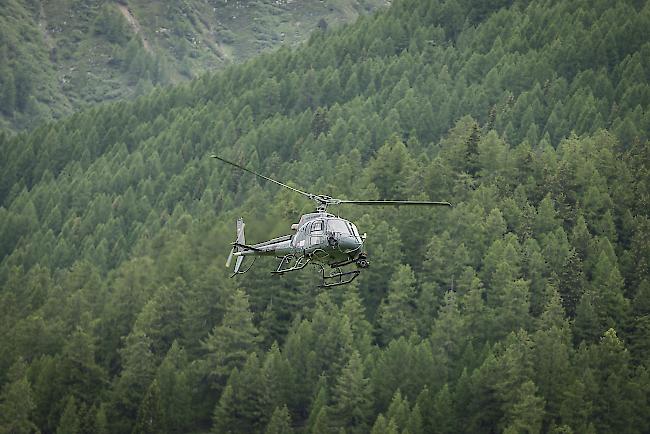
{"x":338,"y":225}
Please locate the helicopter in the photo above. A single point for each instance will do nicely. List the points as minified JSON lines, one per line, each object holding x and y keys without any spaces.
{"x":320,"y":238}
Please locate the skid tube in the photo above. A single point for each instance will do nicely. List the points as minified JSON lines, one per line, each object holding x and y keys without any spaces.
{"x":299,"y":263}
{"x":242,"y":272}
{"x":343,"y":277}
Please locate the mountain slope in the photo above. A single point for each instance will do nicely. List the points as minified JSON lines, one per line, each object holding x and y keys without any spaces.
{"x":60,"y":55}
{"x":523,"y":308}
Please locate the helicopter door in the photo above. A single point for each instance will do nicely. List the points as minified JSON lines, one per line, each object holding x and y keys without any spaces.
{"x":300,"y":239}
{"x":317,"y":230}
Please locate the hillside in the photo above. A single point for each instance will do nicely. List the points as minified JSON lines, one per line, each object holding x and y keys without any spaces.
{"x":57,"y":56}
{"x":524,"y":308}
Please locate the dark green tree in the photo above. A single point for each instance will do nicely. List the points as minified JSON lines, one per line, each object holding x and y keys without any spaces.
{"x":351,"y":397}
{"x":133,"y":382}
{"x":175,"y":391}
{"x":611,"y":305}
{"x":443,"y":416}
{"x":389,"y":170}
{"x":17,"y":402}
{"x":150,"y":418}
{"x":448,"y":337}
{"x":552,"y":354}
{"x":244,"y":405}
{"x":526,"y":413}
{"x":396,"y":315}
{"x":230,"y":343}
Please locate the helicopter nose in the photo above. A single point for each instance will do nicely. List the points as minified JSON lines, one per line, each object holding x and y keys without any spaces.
{"x":349,"y":244}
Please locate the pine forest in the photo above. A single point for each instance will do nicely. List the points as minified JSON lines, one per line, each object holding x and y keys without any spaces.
{"x":523,"y":308}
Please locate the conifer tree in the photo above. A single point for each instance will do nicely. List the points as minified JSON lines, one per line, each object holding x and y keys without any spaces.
{"x":101,"y":424}
{"x":640,"y":322}
{"x":332,"y":340}
{"x":552,"y":357}
{"x":571,"y":281}
{"x":512,"y":312}
{"x":80,"y":372}
{"x":615,"y":403}
{"x":424,"y":402}
{"x":476,"y":315}
{"x":175,"y":392}
{"x":17,"y":402}
{"x":280,"y":422}
{"x":150,"y":418}
{"x":577,"y":407}
{"x":278,"y":375}
{"x":244,"y":403}
{"x":398,"y":410}
{"x":611,"y":305}
{"x":484,"y":405}
{"x":69,"y":422}
{"x":381,"y":426}
{"x":448,"y":337}
{"x":205,"y":300}
{"x":318,"y":405}
{"x":354,"y":309}
{"x":322,"y":424}
{"x":405,"y":365}
{"x":351,"y":397}
{"x":545,"y":220}
{"x":587,"y":325}
{"x":396,"y":314}
{"x":229,"y":343}
{"x":443,"y":420}
{"x":133,"y":382}
{"x":160,"y":318}
{"x":526,"y":413}
{"x":390,"y":169}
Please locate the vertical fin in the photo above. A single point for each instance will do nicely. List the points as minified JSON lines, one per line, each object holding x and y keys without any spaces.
{"x":241,"y":239}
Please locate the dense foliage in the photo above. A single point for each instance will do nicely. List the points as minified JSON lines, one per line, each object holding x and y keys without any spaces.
{"x":524,"y":308}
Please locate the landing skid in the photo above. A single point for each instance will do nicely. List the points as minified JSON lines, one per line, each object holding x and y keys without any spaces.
{"x":242,"y":272}
{"x":286,"y":265}
{"x":337,"y":277}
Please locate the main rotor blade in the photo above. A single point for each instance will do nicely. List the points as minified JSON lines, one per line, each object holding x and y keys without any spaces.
{"x":311,"y":196}
{"x":395,"y":202}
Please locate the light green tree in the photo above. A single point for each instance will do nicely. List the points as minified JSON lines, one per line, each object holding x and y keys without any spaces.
{"x":280,"y":422}
{"x":69,"y":422}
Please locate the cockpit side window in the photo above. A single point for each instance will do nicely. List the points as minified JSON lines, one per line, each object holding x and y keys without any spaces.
{"x":317,"y":226}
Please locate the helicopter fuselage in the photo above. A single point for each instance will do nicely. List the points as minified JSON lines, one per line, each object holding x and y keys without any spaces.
{"x":322,"y":237}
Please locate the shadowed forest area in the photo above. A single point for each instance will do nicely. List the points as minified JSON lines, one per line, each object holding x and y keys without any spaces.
{"x":525,"y":308}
